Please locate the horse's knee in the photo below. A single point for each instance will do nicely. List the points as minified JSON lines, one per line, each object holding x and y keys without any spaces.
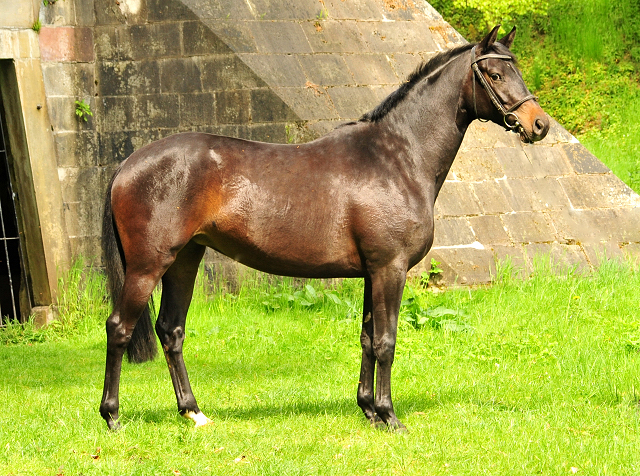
{"x":171,"y":339}
{"x":384,"y":349}
{"x":366,"y":343}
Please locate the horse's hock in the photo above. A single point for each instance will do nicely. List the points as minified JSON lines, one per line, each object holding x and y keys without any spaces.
{"x":277,"y":71}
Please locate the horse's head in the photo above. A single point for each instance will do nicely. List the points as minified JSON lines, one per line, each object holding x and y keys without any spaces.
{"x":497,"y":91}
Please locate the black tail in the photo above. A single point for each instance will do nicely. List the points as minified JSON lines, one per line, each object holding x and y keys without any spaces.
{"x":142,"y":346}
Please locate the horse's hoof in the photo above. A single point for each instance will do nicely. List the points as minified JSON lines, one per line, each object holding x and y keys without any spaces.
{"x":114,"y":425}
{"x":198,"y":418}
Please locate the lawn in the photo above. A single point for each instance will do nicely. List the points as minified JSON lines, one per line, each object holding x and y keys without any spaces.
{"x":536,"y":376}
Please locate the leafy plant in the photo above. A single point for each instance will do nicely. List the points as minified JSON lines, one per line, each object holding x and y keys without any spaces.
{"x":36,"y":26}
{"x":83,"y":110}
{"x":440,"y":317}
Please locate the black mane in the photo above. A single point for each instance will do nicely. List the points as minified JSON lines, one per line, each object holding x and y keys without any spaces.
{"x":414,"y":78}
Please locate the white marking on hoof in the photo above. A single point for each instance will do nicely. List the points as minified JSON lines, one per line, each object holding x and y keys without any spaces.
{"x":199,"y":418}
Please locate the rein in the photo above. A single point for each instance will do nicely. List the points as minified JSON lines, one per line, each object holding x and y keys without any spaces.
{"x":493,"y":95}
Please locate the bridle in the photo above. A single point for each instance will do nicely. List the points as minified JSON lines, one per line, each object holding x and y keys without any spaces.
{"x":506,"y":113}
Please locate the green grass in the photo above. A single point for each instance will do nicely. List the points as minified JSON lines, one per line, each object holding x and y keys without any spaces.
{"x":542,"y":378}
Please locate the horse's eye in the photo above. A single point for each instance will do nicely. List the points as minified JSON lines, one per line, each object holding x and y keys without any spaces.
{"x":496,"y":76}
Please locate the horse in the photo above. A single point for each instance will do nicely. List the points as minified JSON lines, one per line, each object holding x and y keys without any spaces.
{"x":355,"y":203}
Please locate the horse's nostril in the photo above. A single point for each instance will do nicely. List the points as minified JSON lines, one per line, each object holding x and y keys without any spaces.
{"x":539,"y":126}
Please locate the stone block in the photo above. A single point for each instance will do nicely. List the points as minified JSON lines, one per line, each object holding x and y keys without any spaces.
{"x":400,"y":10}
{"x":371,"y":69}
{"x":233,"y":107}
{"x":547,"y":161}
{"x":326,"y":70}
{"x":583,"y":161}
{"x":62,"y":112}
{"x":18,"y":14}
{"x":586,"y":226}
{"x":510,"y":257}
{"x":70,"y":211}
{"x":197,"y":109}
{"x":281,"y":70}
{"x":488,"y":135}
{"x":631,"y":252}
{"x":362,"y":10}
{"x":564,"y":258}
{"x":68,"y":79}
{"x":106,"y":43}
{"x":309,"y":103}
{"x":226,"y":72}
{"x":89,"y":214}
{"x":329,"y":36}
{"x":401,"y":37}
{"x":445,"y":36}
{"x":212,"y":12}
{"x":66,"y":44}
{"x":463,"y":265}
{"x":629,"y":223}
{"x":597,"y":253}
{"x":236,"y":34}
{"x":491,"y":197}
{"x":59,"y":14}
{"x":85,"y":13}
{"x":80,"y":184}
{"x":88,"y":247}
{"x":119,"y":78}
{"x":273,"y":132}
{"x":598,"y":191}
{"x":180,"y":75}
{"x":43,"y":316}
{"x":285,"y":10}
{"x":117,"y":113}
{"x":168,"y":10}
{"x":116,"y":146}
{"x":477,"y":165}
{"x":266,"y":106}
{"x":529,"y":227}
{"x":489,"y":230}
{"x":115,"y":13}
{"x":515,"y":162}
{"x":457,"y":199}
{"x":452,"y":231}
{"x":404,"y":64}
{"x":352,"y":102}
{"x":531,"y":194}
{"x":282,"y":37}
{"x":154,"y":40}
{"x":198,"y":39}
{"x":157,"y":111}
{"x":76,"y":149}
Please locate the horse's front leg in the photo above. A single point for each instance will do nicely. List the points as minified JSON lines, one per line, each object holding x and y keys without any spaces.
{"x":368,"y":366}
{"x":387,"y":286}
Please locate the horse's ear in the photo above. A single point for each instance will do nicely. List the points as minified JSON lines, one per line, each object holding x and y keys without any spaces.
{"x":490,"y":39}
{"x":507,"y":40}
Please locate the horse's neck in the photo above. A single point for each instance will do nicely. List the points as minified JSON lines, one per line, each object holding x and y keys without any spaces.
{"x":432,"y":121}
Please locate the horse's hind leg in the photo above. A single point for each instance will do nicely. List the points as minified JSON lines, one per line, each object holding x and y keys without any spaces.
{"x":134,"y":297}
{"x":177,"y":290}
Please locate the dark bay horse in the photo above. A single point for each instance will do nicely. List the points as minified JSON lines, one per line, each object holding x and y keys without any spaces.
{"x":357,"y":202}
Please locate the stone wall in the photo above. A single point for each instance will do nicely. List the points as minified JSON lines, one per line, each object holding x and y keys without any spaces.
{"x":147,"y":72}
{"x":287,"y":71}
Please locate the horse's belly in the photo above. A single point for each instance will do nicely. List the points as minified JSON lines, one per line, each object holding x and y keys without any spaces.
{"x":277,"y":247}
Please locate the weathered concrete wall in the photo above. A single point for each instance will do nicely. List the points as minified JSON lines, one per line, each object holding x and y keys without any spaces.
{"x":281,"y":70}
